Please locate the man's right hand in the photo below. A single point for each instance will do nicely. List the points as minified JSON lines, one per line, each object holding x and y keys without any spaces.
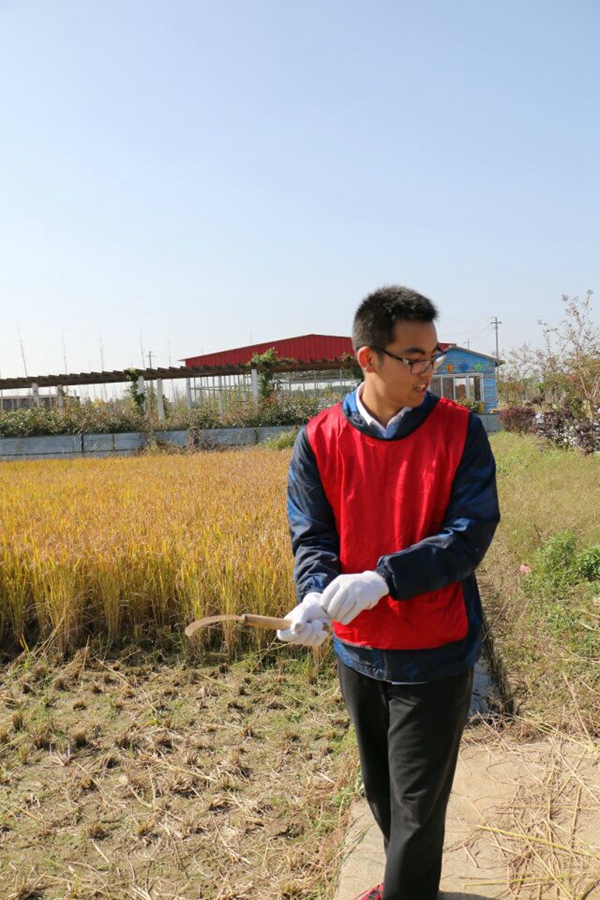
{"x":306,"y":623}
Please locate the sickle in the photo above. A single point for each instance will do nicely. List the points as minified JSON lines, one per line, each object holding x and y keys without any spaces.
{"x":245,"y":619}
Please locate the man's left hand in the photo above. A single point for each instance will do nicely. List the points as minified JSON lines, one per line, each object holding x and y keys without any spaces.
{"x":348,"y":595}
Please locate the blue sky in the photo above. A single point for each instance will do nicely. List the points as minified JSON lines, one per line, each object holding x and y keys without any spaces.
{"x":193,"y":176}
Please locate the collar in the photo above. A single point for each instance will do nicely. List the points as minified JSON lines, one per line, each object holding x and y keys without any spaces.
{"x":384,"y":431}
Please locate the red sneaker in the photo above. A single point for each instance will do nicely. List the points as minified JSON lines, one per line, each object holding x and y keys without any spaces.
{"x":374,"y":894}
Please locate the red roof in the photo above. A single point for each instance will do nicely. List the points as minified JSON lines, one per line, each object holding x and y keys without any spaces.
{"x":307,"y":348}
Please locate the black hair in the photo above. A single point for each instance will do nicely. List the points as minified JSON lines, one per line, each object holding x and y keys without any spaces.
{"x":376,"y":317}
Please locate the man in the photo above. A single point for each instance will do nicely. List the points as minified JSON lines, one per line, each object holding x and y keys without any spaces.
{"x":392,"y":505}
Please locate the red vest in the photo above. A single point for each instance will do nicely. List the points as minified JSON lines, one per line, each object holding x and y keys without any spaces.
{"x":387,"y":495}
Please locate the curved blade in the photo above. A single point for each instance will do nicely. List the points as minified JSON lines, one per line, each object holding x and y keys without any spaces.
{"x":245,"y":619}
{"x":193,"y":627}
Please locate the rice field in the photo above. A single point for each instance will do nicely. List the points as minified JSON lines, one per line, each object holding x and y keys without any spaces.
{"x":131,"y":546}
{"x":127,"y":548}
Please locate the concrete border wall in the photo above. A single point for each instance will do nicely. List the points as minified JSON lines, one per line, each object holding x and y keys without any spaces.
{"x":68,"y":446}
{"x":491,"y":422}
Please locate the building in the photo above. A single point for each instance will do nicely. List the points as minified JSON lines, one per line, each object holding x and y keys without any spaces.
{"x":464,"y":375}
{"x":468,"y":375}
{"x":318,"y":364}
{"x":13,"y":402}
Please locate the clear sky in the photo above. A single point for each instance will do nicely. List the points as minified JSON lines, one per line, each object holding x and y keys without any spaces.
{"x":190,"y":176}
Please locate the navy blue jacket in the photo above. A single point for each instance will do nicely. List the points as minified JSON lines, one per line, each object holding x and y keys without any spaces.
{"x":452,"y":555}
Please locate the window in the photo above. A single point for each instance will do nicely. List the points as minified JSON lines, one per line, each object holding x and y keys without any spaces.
{"x":474,"y":387}
{"x":458,"y":387}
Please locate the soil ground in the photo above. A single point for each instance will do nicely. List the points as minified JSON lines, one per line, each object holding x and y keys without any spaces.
{"x":523,"y":822}
{"x":149,"y":777}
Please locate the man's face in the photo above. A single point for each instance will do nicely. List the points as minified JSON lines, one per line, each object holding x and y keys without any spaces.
{"x":392,"y":380}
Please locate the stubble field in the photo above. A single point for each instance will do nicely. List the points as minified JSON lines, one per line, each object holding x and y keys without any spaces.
{"x":144,"y":776}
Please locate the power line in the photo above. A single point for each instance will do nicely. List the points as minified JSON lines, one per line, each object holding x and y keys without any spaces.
{"x":471,"y":336}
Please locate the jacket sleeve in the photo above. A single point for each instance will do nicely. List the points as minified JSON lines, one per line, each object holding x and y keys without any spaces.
{"x":315,"y":540}
{"x":467,"y":531}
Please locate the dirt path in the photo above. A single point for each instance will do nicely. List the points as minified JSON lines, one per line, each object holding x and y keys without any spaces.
{"x":523,"y":822}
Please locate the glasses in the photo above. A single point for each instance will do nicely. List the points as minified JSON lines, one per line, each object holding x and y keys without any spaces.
{"x":416,"y":366}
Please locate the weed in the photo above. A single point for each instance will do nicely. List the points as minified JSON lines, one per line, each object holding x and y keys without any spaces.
{"x":23,"y":753}
{"x":587,"y":564}
{"x":42,"y":738}
{"x":283,"y":441}
{"x":557,"y":557}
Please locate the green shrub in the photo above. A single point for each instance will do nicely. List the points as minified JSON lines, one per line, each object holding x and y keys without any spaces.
{"x":107,"y":418}
{"x":587,"y":564}
{"x":475,"y":406}
{"x":559,"y":565}
{"x":556,"y":558}
{"x":282,"y":441}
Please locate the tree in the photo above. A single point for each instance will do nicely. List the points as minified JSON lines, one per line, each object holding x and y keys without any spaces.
{"x":570,"y":366}
{"x":519,"y":379}
{"x":266,"y":364}
{"x":136,"y":395}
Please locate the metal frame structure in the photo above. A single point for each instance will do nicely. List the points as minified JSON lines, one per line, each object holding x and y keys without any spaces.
{"x":191,"y":374}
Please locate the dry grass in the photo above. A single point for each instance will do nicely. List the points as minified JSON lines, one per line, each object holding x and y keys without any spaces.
{"x":544,"y":841}
{"x":162,"y":780}
{"x":547,"y":635}
{"x":544,"y":491}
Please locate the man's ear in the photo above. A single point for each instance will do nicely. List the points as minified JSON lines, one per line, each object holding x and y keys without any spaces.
{"x":364,"y":357}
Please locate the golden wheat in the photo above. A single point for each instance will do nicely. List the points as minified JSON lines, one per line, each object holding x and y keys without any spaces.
{"x":117,"y":545}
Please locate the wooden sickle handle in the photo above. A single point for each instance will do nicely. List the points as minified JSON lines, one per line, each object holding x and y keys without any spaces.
{"x":270,"y":622}
{"x":264,"y":621}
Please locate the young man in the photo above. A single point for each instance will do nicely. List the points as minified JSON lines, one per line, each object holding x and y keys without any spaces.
{"x":392,"y":505}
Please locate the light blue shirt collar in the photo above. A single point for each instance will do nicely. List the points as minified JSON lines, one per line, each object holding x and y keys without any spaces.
{"x":372,"y":421}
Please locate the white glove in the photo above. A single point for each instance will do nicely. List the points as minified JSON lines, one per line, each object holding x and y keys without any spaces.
{"x":348,"y":595}
{"x":306,"y":623}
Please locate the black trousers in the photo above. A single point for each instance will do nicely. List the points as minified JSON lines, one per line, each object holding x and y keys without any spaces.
{"x":408,"y":739}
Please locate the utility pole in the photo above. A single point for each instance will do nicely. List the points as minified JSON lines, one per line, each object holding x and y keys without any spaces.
{"x":64,"y":346}
{"x":495,"y":324}
{"x":102,"y":364}
{"x":22,"y":350}
{"x":150,"y":355}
